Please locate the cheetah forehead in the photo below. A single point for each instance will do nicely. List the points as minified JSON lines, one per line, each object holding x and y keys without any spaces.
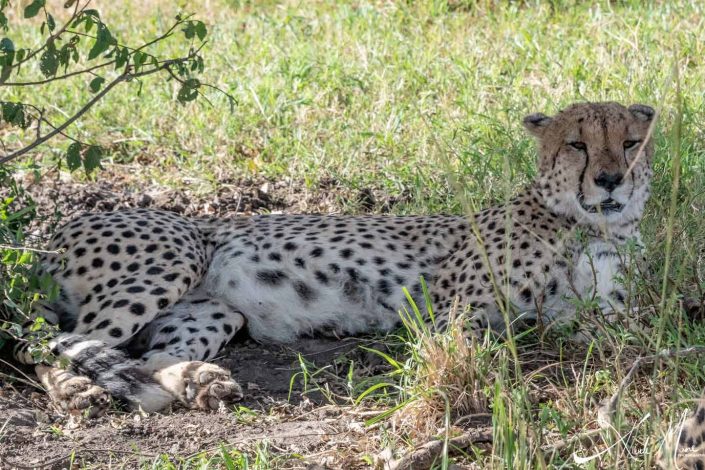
{"x":606,"y":121}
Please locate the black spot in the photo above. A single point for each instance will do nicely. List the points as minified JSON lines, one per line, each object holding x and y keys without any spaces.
{"x":162,"y":303}
{"x":102,"y":325}
{"x":131,"y":249}
{"x":271,"y":277}
{"x":275,"y":257}
{"x":317,"y":252}
{"x":304,"y":291}
{"x":618,"y":296}
{"x":132,"y":267}
{"x":525,"y":294}
{"x":290,"y":246}
{"x":383,"y":287}
{"x":135,"y":289}
{"x":89,"y":317}
{"x":168,"y":329}
{"x":121,"y":303}
{"x":227,"y":329}
{"x":115,"y":332}
{"x":346,"y":253}
{"x":113,"y":249}
{"x":552,"y":287}
{"x":155,"y":270}
{"x":137,"y":308}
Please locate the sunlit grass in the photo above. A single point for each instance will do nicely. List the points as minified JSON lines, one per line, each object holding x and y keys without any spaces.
{"x":393,"y":96}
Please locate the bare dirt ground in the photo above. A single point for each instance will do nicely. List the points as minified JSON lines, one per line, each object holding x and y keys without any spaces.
{"x":300,"y":429}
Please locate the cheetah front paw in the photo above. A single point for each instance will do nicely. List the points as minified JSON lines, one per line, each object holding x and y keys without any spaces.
{"x":72,"y":393}
{"x":207,"y":386}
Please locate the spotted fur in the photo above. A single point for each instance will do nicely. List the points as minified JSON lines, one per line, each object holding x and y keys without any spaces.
{"x":170,"y":292}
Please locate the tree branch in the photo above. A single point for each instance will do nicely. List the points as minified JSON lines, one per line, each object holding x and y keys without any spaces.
{"x":60,"y":77}
{"x":126,"y":75}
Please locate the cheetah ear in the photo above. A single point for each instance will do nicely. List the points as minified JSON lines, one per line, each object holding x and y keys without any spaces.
{"x":537,"y":123}
{"x":642,"y":112}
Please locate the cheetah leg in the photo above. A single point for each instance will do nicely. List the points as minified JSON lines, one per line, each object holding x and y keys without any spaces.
{"x":73,"y":393}
{"x":178,"y":347}
{"x":684,"y":448}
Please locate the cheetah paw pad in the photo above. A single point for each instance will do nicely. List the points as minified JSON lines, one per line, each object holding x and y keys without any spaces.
{"x":207,"y":386}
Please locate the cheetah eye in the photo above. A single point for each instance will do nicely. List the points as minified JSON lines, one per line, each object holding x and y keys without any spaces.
{"x":578,"y":145}
{"x":630,"y":143}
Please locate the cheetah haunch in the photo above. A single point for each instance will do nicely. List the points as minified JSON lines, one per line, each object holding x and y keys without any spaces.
{"x":147,"y":297}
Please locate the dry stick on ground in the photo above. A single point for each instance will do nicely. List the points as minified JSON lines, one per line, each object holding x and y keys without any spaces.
{"x":606,"y":411}
{"x":424,"y":456}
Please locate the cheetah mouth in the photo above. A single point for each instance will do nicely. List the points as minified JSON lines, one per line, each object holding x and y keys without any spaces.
{"x":608,"y":206}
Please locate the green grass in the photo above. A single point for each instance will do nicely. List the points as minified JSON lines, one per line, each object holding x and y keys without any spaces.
{"x":398,"y":96}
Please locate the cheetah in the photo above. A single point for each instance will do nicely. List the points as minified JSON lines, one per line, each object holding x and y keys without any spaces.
{"x":684,"y":447}
{"x":148,"y":297}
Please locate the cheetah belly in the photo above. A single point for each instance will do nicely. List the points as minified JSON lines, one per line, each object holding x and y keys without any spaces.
{"x":282,"y":301}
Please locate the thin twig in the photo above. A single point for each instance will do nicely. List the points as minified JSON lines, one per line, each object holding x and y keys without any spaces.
{"x":60,"y":77}
{"x":27,"y":379}
{"x":425,"y":455}
{"x":26,"y":248}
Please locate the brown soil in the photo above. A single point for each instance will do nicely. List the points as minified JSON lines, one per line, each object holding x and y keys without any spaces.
{"x":301,"y":429}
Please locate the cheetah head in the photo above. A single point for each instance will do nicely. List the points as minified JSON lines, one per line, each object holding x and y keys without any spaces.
{"x":595,"y":161}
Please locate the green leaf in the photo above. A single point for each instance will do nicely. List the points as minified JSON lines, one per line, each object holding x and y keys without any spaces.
{"x":49,"y":62}
{"x":3,"y":21}
{"x":51,"y":24}
{"x":31,"y":10}
{"x":91,"y":160}
{"x":73,"y":156}
{"x":139,"y":59}
{"x":5,"y":73}
{"x":6,"y":45}
{"x":189,"y":30}
{"x":13,"y":113}
{"x":102,"y":43}
{"x":201,"y":30}
{"x":188,"y":91}
{"x":121,"y":57}
{"x":7,"y":51}
{"x":96,"y":84}
{"x":69,"y":3}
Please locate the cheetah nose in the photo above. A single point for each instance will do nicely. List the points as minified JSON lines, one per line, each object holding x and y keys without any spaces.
{"x":608,"y":181}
